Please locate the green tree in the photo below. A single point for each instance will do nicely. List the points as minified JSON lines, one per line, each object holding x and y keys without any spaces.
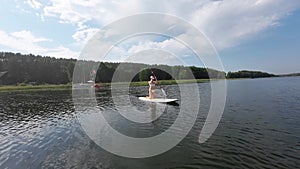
{"x":144,"y":75}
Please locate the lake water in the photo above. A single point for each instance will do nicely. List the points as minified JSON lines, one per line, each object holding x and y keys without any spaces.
{"x":259,"y":129}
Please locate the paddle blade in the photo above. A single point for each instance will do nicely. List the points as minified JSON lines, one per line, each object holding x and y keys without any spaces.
{"x":164,"y":93}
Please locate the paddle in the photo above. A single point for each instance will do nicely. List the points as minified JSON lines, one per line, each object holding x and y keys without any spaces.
{"x":162,"y":90}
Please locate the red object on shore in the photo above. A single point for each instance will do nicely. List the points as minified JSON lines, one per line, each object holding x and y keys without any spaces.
{"x":96,"y":86}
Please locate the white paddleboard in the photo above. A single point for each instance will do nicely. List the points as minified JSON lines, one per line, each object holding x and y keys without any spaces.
{"x":158,"y":100}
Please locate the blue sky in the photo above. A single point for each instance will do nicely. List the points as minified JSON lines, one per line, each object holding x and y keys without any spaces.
{"x":250,"y":34}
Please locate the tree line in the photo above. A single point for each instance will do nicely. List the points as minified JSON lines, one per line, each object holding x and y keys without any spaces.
{"x":32,"y":69}
{"x":16,"y":68}
{"x":248,"y":74}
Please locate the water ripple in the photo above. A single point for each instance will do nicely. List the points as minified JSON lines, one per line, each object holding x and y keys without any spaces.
{"x":259,"y":129}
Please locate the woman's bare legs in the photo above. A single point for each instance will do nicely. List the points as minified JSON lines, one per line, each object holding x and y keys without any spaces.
{"x":151,"y":94}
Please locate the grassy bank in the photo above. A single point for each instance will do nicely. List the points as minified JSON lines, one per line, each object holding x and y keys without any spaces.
{"x":35,"y":87}
{"x":69,"y":86}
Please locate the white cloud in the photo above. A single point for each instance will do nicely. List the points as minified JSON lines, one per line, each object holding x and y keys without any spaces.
{"x":61,"y":52}
{"x":26,"y":42}
{"x":167,"y":45}
{"x":27,"y":36}
{"x":226,"y":22}
{"x":229,"y":23}
{"x":84,"y":34}
{"x":68,"y":12}
{"x":161,"y":57}
{"x":34,"y":4}
{"x":150,"y":49}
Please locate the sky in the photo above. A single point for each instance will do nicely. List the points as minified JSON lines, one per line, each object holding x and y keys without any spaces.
{"x":248,"y":35}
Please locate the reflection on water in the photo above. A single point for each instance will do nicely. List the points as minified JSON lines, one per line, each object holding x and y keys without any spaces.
{"x":152,"y":108}
{"x":259,"y":129}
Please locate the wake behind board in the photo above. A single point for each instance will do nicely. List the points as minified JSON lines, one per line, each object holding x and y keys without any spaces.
{"x":158,"y":100}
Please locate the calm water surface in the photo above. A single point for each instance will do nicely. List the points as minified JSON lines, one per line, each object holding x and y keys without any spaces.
{"x":259,"y":129}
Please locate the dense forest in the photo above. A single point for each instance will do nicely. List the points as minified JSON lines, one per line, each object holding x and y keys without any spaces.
{"x":16,"y":68}
{"x":289,"y":75}
{"x":248,"y":74}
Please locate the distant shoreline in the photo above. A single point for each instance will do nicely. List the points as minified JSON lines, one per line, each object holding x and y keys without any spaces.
{"x":8,"y":88}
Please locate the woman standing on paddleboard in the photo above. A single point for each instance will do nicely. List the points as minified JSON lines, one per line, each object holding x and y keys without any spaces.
{"x":152,"y":83}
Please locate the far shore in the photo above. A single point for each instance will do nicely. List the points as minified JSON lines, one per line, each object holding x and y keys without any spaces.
{"x":7,"y":88}
{"x":27,"y":87}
